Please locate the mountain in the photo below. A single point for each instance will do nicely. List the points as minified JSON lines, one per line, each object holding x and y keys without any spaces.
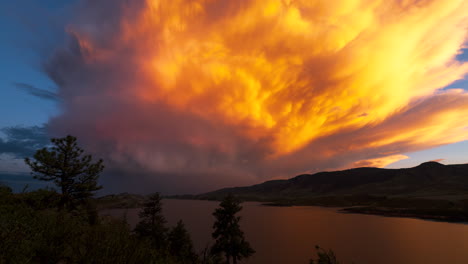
{"x":430,"y":179}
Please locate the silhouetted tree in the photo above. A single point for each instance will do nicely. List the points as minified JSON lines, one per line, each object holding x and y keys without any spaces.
{"x":324,"y":257}
{"x":227,"y":233}
{"x":207,"y":256}
{"x":73,"y":172}
{"x":180,"y":244}
{"x":152,"y":222}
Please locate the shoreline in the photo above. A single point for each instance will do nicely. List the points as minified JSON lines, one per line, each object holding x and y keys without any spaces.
{"x":432,"y":213}
{"x":405,"y":213}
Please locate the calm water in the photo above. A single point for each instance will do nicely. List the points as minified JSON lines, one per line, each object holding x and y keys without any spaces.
{"x":289,"y":234}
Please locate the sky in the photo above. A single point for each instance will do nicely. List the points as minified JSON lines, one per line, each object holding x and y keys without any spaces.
{"x":189,"y":96}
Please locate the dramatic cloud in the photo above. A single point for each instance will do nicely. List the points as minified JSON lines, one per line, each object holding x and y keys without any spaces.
{"x":209,"y":93}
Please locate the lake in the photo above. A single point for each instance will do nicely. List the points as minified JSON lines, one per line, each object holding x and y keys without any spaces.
{"x":289,"y":234}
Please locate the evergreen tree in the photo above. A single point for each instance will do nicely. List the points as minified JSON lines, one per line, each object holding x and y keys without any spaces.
{"x":180,"y":244}
{"x":324,"y":257}
{"x":74,"y":173}
{"x":152,"y":222}
{"x":227,"y":233}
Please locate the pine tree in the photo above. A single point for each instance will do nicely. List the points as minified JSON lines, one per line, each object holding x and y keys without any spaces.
{"x":325,"y":257}
{"x":180,"y":244}
{"x":152,"y":222}
{"x":227,"y":233}
{"x":73,"y":172}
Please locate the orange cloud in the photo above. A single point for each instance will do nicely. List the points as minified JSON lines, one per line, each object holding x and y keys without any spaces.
{"x":379,"y":162}
{"x":265,"y":87}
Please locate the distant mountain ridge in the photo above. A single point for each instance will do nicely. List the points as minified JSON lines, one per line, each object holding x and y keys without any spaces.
{"x":426,"y":180}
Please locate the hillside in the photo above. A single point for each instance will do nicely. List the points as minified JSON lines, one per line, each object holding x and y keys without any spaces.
{"x":430,"y":190}
{"x":429,"y":179}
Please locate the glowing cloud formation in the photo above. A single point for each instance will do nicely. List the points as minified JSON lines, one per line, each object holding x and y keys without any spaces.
{"x":216,"y":92}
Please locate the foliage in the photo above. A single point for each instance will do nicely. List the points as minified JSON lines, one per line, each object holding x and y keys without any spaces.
{"x":35,"y":229}
{"x":5,"y":190}
{"x":324,"y":257}
{"x":180,"y":244}
{"x":227,"y":233}
{"x":72,"y":171}
{"x":152,"y":223}
{"x":208,"y":257}
{"x":30,"y":234}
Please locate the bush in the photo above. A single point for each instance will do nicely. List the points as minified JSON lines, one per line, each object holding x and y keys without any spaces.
{"x":30,"y":234}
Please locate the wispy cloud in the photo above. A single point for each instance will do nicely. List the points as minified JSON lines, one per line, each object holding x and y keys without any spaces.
{"x":379,"y":162}
{"x":34,"y":91}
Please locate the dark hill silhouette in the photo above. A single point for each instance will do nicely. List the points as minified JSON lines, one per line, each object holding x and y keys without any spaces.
{"x":430,"y":191}
{"x":426,"y":180}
